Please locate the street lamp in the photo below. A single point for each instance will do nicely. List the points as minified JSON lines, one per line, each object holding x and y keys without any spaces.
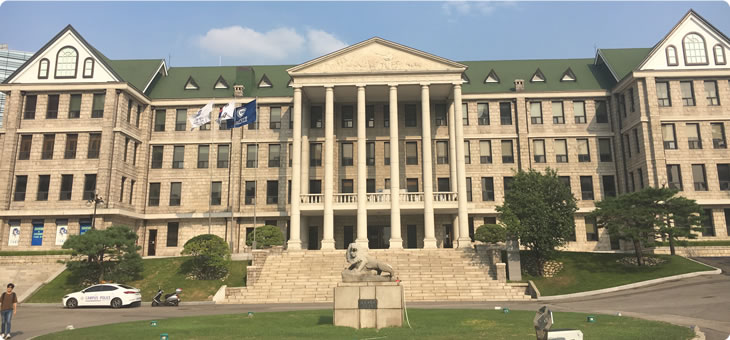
{"x":95,"y":201}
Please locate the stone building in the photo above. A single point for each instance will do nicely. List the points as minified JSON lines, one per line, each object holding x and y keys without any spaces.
{"x":377,"y":143}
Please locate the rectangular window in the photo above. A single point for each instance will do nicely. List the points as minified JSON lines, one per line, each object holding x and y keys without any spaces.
{"x":670,"y":140}
{"x":637,"y":143}
{"x":591,"y":231}
{"x":688,"y":96}
{"x":468,"y":189}
{"x":536,"y":112}
{"x":386,"y":115}
{"x":630,"y":182}
{"x":315,"y":186}
{"x":315,"y":154}
{"x":21,"y":183}
{"x":412,"y":184}
{"x":483,"y":113}
{"x":44,"y":182}
{"x":206,"y":126}
{"x":30,"y":105}
{"x":370,"y":186}
{"x":561,"y":150}
{"x":622,"y":104}
{"x":609,"y":186}
{"x":718,"y":136}
{"x":440,"y":115}
{"x":632,"y":105}
{"x":662,"y":93}
{"x":181,"y":117}
{"x":74,"y":106}
{"x":48,"y":142}
{"x":442,"y":152}
{"x":485,"y":152}
{"x":89,"y":187}
{"x":175,"y":193}
{"x":274,"y":155}
{"x":131,"y":190}
{"x":129,"y":110}
{"x":411,"y":153}
{"x":250,"y":191}
{"x":699,"y":178}
{"x":370,"y":153}
{"x":505,"y":113}
{"x":579,"y":111}
{"x":139,"y":113}
{"x":157,"y":156}
{"x":252,"y":156}
{"x":584,"y":154}
{"x":94,"y":146}
{"x":52,"y":108}
{"x":487,"y":189}
{"x":565,"y":180}
{"x":26,"y":143}
{"x":67,"y":183}
{"x":601,"y":111}
{"x":347,"y":154}
{"x":538,"y":146}
{"x":693,"y":136}
{"x":711,"y":92}
{"x":640,"y":175}
{"x":386,"y":153}
{"x":467,"y":152}
{"x":126,"y":148}
{"x":172,"y":231}
{"x":275,"y":118}
{"x":347,"y":121}
{"x":290,"y":155}
{"x":558,"y":115}
{"x":272,"y":192}
{"x":411,"y":115}
{"x":97,"y":109}
{"x":178,"y":157}
{"x":370,"y":116}
{"x":723,"y":176}
{"x":160,"y":120}
{"x":154,"y":199}
{"x":674,"y":176}
{"x":586,"y":187}
{"x":443,"y":184}
{"x":708,"y":223}
{"x":465,"y":113}
{"x":347,"y":186}
{"x":627,"y":147}
{"x":215,"y":193}
{"x":121,"y":192}
{"x":507,"y":155}
{"x":203,"y":156}
{"x":604,"y":150}
{"x":222,"y":158}
{"x":508,"y":184}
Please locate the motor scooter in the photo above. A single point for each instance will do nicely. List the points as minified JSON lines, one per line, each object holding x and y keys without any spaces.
{"x":172,"y":299}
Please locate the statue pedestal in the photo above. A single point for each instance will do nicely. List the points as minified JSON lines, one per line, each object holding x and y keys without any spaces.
{"x":368,"y":304}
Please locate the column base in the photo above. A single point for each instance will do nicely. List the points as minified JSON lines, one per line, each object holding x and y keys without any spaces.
{"x":294,"y":245}
{"x":396,"y":243}
{"x":463,"y":243}
{"x":429,"y":243}
{"x":328,"y":244}
{"x":362,"y":243}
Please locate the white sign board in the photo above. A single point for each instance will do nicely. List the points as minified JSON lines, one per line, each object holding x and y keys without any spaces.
{"x":14,"y":237}
{"x":61,"y":234}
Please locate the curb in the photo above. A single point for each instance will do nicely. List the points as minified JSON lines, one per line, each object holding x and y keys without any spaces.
{"x":632,"y":285}
{"x":185,"y":303}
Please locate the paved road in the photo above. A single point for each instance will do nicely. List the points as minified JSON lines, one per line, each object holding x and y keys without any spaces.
{"x":702,"y":301}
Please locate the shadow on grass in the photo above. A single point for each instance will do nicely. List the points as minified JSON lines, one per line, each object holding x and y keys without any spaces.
{"x":325,"y":320}
{"x":186,"y":267}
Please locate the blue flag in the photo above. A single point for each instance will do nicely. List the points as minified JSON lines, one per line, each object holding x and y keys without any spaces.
{"x":243,"y":115}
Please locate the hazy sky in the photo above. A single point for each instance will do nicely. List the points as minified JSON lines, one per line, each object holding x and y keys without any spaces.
{"x":249,"y":33}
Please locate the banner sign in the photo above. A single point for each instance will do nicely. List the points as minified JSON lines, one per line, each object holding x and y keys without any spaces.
{"x":37,"y":236}
{"x":14,"y":238}
{"x":85,"y":226}
{"x":61,"y":233}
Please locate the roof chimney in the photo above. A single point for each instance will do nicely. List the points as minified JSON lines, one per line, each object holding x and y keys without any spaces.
{"x":237,"y":90}
{"x":519,"y":85}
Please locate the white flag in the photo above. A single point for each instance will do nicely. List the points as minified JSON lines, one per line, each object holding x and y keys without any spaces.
{"x":202,"y":116}
{"x":227,"y":112}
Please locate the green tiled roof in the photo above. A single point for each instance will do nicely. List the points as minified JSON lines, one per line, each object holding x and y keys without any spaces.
{"x":623,"y":60}
{"x":588,"y":76}
{"x":173,"y":86}
{"x":136,"y":72}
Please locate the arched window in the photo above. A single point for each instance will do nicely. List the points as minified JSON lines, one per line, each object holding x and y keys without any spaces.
{"x":719,"y":53}
{"x":43,"y":69}
{"x":66,"y":62}
{"x":671,"y":56}
{"x":88,"y":68}
{"x":695,"y":52}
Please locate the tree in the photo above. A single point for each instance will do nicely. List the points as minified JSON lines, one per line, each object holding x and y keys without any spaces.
{"x":211,"y":256}
{"x":266,"y":236}
{"x":109,"y":254}
{"x":682,"y":219}
{"x":538,"y":210}
{"x":491,"y":233}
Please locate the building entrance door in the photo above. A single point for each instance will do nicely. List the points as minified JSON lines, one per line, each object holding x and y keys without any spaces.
{"x":378,"y":237}
{"x":313,"y":238}
{"x":448,"y":236}
{"x":151,"y":251}
{"x":412,"y":236}
{"x":349,"y":237}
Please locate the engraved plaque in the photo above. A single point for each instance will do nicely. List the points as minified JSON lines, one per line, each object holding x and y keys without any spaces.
{"x":367,"y":304}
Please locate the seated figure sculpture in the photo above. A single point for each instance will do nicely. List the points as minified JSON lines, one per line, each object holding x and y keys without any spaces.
{"x":362,"y":265}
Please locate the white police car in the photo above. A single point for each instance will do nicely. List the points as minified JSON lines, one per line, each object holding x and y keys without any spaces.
{"x":107,"y":294}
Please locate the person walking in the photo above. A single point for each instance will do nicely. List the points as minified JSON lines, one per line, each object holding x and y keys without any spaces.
{"x":8,"y":308}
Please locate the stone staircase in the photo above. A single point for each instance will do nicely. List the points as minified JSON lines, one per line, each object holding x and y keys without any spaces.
{"x":28,"y":273}
{"x":427,"y":274}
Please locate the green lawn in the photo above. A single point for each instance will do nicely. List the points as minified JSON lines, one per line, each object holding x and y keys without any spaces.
{"x":708,"y":243}
{"x":427,"y":324}
{"x":590,"y":271}
{"x":168,"y":273}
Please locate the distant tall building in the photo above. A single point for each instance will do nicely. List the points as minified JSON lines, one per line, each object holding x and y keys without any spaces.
{"x":9,"y":62}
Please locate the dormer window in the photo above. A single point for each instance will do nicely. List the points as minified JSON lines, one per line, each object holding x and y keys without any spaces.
{"x":88,"y":68}
{"x":719,"y":53}
{"x":568,"y":75}
{"x":265,"y":82}
{"x":464,"y":79}
{"x":43,"y":69}
{"x":66,"y":62}
{"x":671,"y":56}
{"x":537,"y":76}
{"x":492,"y":77}
{"x":695,"y":52}
{"x":221,"y":83}
{"x":191,"y":84}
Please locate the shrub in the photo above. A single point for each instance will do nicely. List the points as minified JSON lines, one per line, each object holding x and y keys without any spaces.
{"x":211,"y":257}
{"x":491,"y":233}
{"x":266,"y":237}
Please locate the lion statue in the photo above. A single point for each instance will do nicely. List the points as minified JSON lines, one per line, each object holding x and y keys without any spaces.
{"x":361,"y":263}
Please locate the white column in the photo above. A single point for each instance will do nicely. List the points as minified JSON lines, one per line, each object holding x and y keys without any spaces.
{"x":362,"y":212}
{"x":463,"y":241}
{"x":396,"y":242}
{"x":453,"y":182}
{"x":429,"y":240}
{"x":295,"y":242}
{"x":328,"y":240}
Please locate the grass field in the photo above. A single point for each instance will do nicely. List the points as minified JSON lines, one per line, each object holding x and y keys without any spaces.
{"x":168,"y":273}
{"x":591,"y":271}
{"x":427,"y":324}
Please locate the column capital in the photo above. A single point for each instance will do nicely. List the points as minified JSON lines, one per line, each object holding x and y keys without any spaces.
{"x":457,"y":85}
{"x":360,"y":86}
{"x":297,"y":87}
{"x":393,"y":85}
{"x":329,"y":87}
{"x":425,"y":85}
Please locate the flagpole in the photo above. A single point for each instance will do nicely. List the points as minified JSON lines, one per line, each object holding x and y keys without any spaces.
{"x":210,"y":171}
{"x":255,"y":177}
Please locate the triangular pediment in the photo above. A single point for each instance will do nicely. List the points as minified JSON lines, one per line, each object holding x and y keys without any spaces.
{"x":265,"y":82}
{"x":377,"y":55}
{"x":537,"y":76}
{"x":220,"y":83}
{"x":67,"y":58}
{"x":492,"y":78}
{"x":191,"y":84}
{"x":568,"y":75}
{"x":693,"y":43}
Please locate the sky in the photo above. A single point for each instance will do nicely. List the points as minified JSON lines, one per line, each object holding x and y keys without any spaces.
{"x":276,"y":33}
